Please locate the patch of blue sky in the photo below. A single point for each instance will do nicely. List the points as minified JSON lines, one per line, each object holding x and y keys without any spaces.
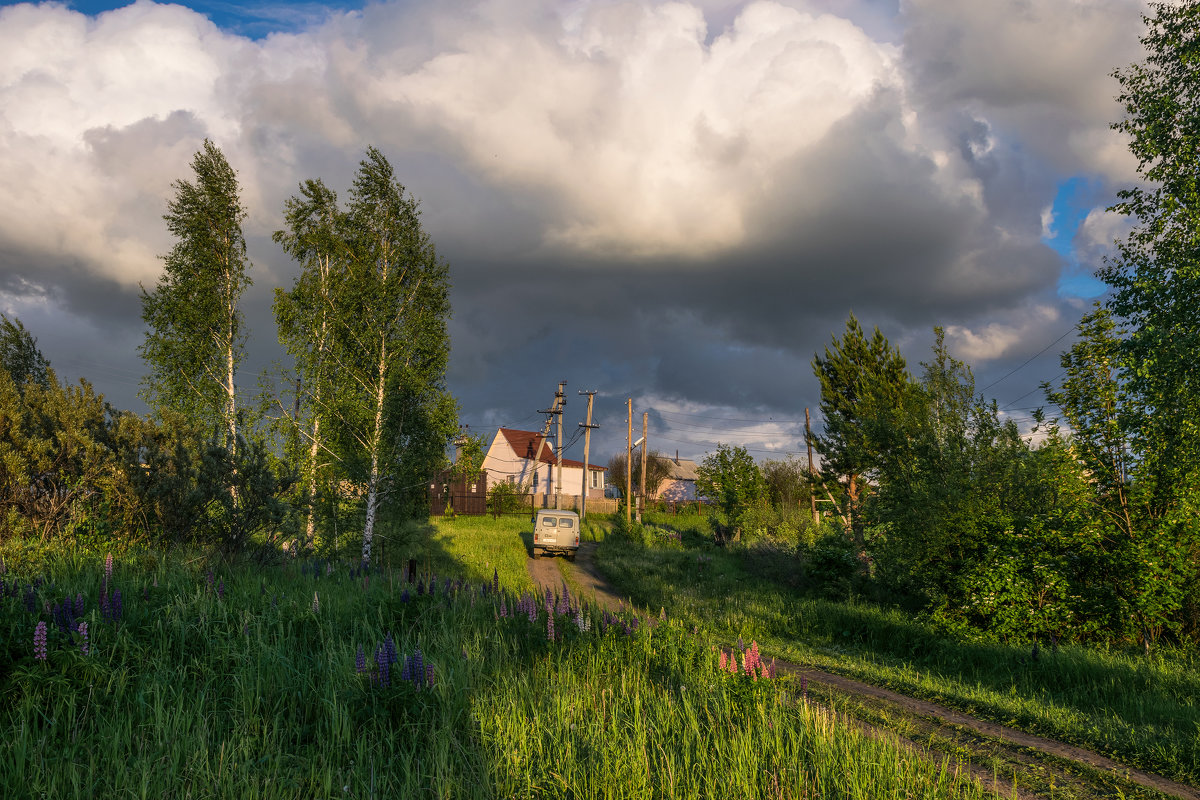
{"x":256,"y":19}
{"x":1076,"y":197}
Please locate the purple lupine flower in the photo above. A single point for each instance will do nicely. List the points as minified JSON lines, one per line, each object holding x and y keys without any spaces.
{"x":360,"y":661}
{"x":381,"y":660}
{"x":211,"y":580}
{"x":116,"y":604}
{"x":389,"y":649}
{"x":83,"y":638}
{"x":406,"y":670}
{"x":503,"y":609}
{"x":30,"y":599}
{"x":39,"y":641}
{"x":495,"y":581}
{"x":562,"y":606}
{"x":105,"y":608}
{"x":221,"y":589}
{"x":741,"y":645}
{"x":418,"y":665}
{"x":429,"y":675}
{"x":420,"y":587}
{"x":550,"y":627}
{"x":79,"y":604}
{"x":404,"y":596}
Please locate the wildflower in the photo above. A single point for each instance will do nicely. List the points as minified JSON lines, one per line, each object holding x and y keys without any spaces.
{"x":418,"y":664}
{"x":495,"y":581}
{"x":83,"y":638}
{"x":503,"y":609}
{"x":381,"y":660}
{"x":316,"y":603}
{"x":108,"y":565}
{"x":221,"y":590}
{"x":211,"y":579}
{"x":39,"y":641}
{"x":721,"y":661}
{"x":389,"y":649}
{"x":360,"y":661}
{"x":404,"y":596}
{"x":550,"y":627}
{"x":30,"y":599}
{"x":429,"y":675}
{"x":79,"y":604}
{"x":105,"y":608}
{"x":116,"y":604}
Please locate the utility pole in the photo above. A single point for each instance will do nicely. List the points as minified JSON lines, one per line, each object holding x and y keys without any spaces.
{"x":642,"y":491}
{"x":560,"y":402}
{"x":549,"y":412}
{"x":812,"y":489}
{"x":628,"y":460}
{"x":587,"y":446}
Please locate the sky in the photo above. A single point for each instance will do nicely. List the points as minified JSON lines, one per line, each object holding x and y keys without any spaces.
{"x":674,"y":202}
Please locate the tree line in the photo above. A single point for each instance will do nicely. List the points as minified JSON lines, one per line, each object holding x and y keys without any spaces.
{"x":344,"y":437}
{"x":1089,"y":530}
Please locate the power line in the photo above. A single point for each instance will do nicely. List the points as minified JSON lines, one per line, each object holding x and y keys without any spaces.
{"x":1030,"y":360}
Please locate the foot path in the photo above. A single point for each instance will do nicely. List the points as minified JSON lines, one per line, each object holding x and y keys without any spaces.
{"x":1039,"y":767}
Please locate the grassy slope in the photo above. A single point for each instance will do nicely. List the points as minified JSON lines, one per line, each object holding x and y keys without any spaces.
{"x":1142,"y":710}
{"x":239,"y":686}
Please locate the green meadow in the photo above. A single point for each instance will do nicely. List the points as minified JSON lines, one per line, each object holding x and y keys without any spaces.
{"x":314,"y":678}
{"x":1140,"y":708}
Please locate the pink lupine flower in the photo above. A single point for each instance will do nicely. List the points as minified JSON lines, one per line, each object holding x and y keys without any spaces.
{"x":39,"y":641}
{"x":108,"y":567}
{"x":721,"y":661}
{"x":550,"y":627}
{"x":83,"y":638}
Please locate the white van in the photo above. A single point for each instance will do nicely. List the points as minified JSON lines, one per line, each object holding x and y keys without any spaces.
{"x":555,"y":532}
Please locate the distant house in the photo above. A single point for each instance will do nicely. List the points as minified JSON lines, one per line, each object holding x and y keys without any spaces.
{"x":527,"y":458}
{"x":680,"y":486}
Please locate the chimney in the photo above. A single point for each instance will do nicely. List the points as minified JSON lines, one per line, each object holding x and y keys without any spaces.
{"x":677,"y":458}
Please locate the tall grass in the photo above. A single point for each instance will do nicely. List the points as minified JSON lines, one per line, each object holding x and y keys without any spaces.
{"x":1142,"y":709}
{"x":239,"y":680}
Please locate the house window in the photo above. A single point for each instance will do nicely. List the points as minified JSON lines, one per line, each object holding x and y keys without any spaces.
{"x":595,"y":479}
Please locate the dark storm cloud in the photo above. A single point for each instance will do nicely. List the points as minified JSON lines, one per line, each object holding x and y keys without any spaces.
{"x":674,"y":203}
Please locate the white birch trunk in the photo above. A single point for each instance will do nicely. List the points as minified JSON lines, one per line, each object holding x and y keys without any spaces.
{"x":376,"y":442}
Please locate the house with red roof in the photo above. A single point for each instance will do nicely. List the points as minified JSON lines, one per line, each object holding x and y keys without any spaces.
{"x":526,"y":458}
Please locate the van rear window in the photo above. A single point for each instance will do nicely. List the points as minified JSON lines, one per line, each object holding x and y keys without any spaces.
{"x":549,"y":522}
{"x":566,"y":522}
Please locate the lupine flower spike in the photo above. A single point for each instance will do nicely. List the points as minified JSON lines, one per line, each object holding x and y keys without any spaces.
{"x":83,"y":638}
{"x":39,"y":641}
{"x":316,"y":603}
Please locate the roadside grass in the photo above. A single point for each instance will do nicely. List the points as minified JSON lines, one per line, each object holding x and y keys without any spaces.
{"x":241,"y":679}
{"x":1141,"y":709}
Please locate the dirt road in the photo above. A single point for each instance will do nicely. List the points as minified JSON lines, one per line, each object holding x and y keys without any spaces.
{"x":1009,"y":761}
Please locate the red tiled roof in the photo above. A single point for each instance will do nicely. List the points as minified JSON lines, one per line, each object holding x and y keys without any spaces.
{"x":529,"y":444}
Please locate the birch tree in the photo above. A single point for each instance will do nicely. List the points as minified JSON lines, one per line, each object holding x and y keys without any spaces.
{"x":391,"y":347}
{"x":195,"y":335}
{"x":307,"y":319}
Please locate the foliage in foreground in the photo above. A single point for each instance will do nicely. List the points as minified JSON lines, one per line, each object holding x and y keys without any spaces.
{"x":1140,"y":708}
{"x":320,"y":679}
